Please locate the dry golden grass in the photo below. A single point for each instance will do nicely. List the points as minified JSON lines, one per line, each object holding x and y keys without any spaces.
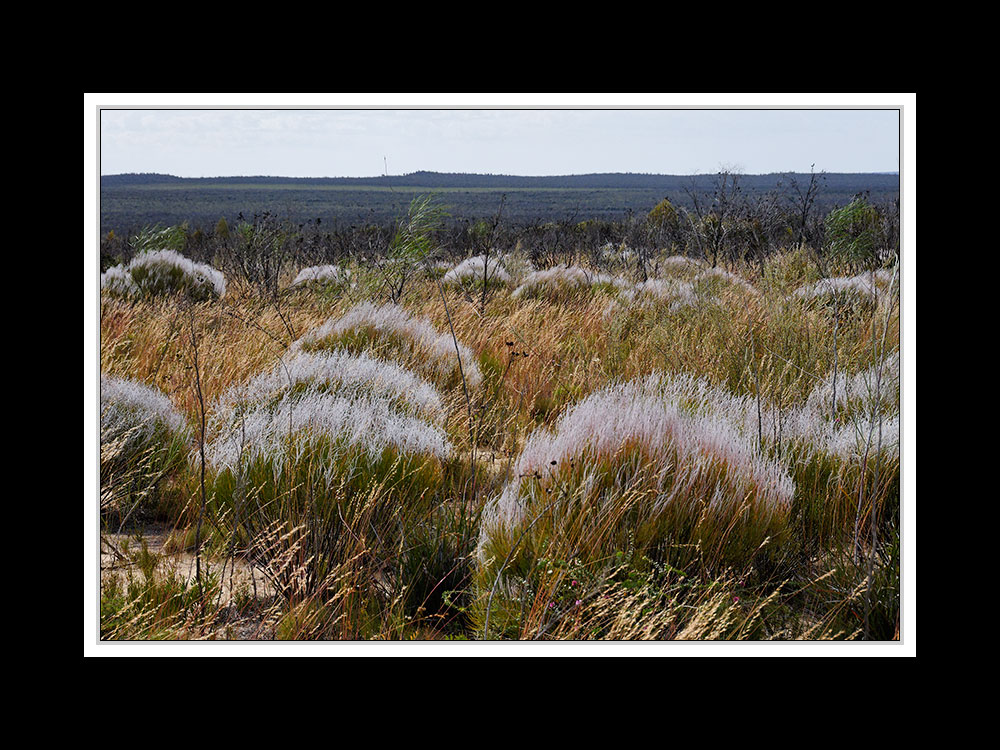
{"x":538,"y":357}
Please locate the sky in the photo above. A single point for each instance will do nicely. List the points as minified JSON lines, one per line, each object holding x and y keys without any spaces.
{"x":205,"y":139}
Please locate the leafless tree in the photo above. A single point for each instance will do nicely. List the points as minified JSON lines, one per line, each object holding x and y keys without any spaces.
{"x":803,"y":200}
{"x":715,"y":213}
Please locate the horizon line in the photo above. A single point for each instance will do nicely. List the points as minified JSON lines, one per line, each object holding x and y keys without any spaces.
{"x":483,"y":174}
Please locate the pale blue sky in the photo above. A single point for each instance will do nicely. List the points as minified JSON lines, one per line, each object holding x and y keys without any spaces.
{"x":361,"y":143}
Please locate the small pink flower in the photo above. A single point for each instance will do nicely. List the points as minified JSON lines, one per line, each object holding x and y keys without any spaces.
{"x":552,"y":604}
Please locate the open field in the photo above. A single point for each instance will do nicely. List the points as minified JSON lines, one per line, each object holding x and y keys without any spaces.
{"x":632,"y":446}
{"x":124,"y":209}
{"x":129,"y":204}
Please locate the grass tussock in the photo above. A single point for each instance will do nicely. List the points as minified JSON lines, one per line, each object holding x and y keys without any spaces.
{"x":144,"y":439}
{"x":390,"y":331}
{"x":160,"y":272}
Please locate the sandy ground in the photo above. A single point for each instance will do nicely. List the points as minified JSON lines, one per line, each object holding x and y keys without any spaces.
{"x":238,"y":577}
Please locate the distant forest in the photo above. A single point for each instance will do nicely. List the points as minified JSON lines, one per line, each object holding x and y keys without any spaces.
{"x":132,"y":201}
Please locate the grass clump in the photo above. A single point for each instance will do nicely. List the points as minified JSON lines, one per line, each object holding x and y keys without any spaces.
{"x":390,"y":331}
{"x":472,"y":272}
{"x":843,"y":448}
{"x":642,"y":469}
{"x":159,"y":272}
{"x":326,"y":278}
{"x":144,"y":438}
{"x":117,"y":282}
{"x":568,"y":284}
{"x":323,"y":460}
{"x":848,"y":292}
{"x":677,"y":294}
{"x":558,"y":283}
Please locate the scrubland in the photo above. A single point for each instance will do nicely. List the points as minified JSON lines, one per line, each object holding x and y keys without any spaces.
{"x":659,"y":450}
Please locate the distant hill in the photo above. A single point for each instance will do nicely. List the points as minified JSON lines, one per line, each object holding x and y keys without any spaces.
{"x":132,"y":178}
{"x":617,"y":180}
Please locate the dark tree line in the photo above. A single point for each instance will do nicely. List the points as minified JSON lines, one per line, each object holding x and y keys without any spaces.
{"x":722,"y":223}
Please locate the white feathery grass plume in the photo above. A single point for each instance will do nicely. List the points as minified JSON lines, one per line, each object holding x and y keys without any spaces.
{"x":848,"y":439}
{"x":862,"y":436}
{"x":117,"y":282}
{"x":808,"y":425}
{"x":359,"y":421}
{"x":394,"y":321}
{"x":563,"y":277}
{"x":344,"y":374}
{"x":619,"y":283}
{"x":867,"y":406}
{"x":680,"y":294}
{"x":873,"y":390}
{"x":143,"y":437}
{"x":352,"y":399}
{"x":557,"y":276}
{"x":327,"y":274}
{"x":472,"y":269}
{"x":862,"y":284}
{"x":166,"y":270}
{"x":128,"y":406}
{"x":690,"y":427}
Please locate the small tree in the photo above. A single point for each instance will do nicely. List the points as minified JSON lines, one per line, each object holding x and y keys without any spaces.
{"x":663,"y":216}
{"x":412,"y":244}
{"x":853,"y":233}
{"x":713,"y":223}
{"x":664,"y":224}
{"x":257,"y":251}
{"x":160,"y":238}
